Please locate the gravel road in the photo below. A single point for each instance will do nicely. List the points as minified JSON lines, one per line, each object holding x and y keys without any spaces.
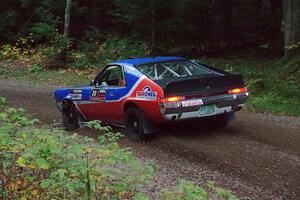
{"x":257,"y":156}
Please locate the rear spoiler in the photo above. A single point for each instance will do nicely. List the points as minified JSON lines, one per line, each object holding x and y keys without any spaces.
{"x":197,"y":85}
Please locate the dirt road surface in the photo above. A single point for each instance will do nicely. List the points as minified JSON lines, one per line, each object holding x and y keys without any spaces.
{"x":257,"y":155}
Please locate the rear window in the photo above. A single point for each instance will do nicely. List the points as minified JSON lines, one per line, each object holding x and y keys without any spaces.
{"x":173,"y":69}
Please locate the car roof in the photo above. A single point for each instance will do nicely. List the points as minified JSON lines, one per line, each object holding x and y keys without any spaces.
{"x":136,"y":61}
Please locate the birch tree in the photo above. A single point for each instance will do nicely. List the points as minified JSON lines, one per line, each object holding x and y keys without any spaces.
{"x":67,"y":19}
{"x":66,"y":30}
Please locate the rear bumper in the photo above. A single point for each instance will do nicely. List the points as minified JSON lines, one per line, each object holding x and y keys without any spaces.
{"x":222,"y":104}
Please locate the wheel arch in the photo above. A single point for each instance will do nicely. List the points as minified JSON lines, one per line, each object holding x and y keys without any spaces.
{"x":147,"y":125}
{"x":129,"y":104}
{"x":67,"y":102}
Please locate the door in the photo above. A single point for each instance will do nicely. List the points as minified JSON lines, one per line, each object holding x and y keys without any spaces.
{"x":109,"y":89}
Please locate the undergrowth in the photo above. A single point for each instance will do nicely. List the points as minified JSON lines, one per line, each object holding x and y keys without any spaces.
{"x":46,"y":163}
{"x":42,"y":162}
{"x":187,"y":190}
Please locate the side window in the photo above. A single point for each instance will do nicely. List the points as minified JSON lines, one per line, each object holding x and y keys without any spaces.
{"x":112,"y":76}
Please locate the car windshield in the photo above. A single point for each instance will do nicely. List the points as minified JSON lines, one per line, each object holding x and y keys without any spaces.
{"x":172,"y":69}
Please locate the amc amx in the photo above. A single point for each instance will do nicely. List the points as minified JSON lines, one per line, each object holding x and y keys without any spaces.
{"x":145,"y":93}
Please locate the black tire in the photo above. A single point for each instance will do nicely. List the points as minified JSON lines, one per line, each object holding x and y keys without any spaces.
{"x":134,"y":124}
{"x":70,"y":116}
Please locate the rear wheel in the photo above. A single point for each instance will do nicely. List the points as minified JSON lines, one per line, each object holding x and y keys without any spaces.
{"x":70,"y":116}
{"x":134,"y":124}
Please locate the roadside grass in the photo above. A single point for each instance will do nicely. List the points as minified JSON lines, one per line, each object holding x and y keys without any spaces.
{"x":42,"y":162}
{"x":275,"y":104}
{"x":37,"y":73}
{"x":274,"y":85}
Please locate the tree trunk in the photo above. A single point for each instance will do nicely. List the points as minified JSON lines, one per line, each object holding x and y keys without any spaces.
{"x":67,"y":19}
{"x":291,"y":26}
{"x":66,"y":31}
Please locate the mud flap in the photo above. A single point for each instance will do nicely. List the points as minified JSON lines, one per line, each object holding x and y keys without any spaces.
{"x":80,"y":118}
{"x":148,"y":126}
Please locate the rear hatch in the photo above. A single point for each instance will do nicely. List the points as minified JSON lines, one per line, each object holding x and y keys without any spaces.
{"x":185,"y":77}
{"x":209,"y":84}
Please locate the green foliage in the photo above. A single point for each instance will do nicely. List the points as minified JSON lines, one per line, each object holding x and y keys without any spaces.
{"x":46,"y":27}
{"x":44,"y":30}
{"x":20,"y":49}
{"x":256,"y":86}
{"x":219,"y":191}
{"x":9,"y":51}
{"x":187,"y":190}
{"x":47,"y":163}
{"x":56,"y":47}
{"x":225,"y":26}
{"x":275,"y":104}
{"x":9,"y":17}
{"x":122,"y":48}
{"x":35,"y":69}
{"x":88,"y":48}
{"x":2,"y":101}
{"x":95,"y":50}
{"x":36,"y":73}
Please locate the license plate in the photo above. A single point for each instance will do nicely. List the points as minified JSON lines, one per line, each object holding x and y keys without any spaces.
{"x":193,"y":102}
{"x":207,"y":109}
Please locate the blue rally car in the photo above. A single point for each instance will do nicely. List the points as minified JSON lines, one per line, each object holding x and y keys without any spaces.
{"x":144,"y":93}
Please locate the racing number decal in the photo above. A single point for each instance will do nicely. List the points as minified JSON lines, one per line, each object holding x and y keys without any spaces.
{"x":98,"y":95}
{"x":94,"y":93}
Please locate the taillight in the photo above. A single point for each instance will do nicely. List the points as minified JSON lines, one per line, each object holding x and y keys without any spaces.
{"x":171,"y":102}
{"x":237,"y":90}
{"x":172,"y":99}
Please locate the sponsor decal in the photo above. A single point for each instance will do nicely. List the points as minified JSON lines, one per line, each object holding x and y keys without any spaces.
{"x":77,"y":91}
{"x":98,"y":95}
{"x":101,"y":95}
{"x":193,"y":102}
{"x":147,"y":93}
{"x":76,"y":96}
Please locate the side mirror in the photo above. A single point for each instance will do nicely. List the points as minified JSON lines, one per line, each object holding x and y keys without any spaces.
{"x":92,"y":83}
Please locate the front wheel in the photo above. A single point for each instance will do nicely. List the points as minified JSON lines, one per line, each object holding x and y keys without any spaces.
{"x":134,"y":124}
